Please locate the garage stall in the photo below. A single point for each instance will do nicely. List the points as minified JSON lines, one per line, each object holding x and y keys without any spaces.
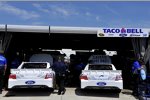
{"x":28,"y":40}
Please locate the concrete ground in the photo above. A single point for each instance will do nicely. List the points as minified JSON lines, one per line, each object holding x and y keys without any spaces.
{"x":71,"y":94}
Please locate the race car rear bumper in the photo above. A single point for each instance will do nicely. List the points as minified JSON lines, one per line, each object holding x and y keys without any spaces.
{"x":101,"y":84}
{"x":12,"y":83}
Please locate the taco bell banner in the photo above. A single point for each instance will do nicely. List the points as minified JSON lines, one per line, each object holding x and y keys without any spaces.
{"x":122,"y":32}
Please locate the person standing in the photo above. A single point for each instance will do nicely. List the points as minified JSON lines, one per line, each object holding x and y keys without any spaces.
{"x":78,"y":70}
{"x":135,"y":73}
{"x":3,"y":66}
{"x":60,"y":68}
{"x":16,"y":61}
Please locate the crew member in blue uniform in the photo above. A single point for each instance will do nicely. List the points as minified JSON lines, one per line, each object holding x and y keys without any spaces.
{"x":135,"y":72}
{"x":3,"y":66}
{"x":60,"y":68}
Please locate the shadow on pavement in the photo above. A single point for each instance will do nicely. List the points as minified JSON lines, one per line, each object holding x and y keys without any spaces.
{"x":29,"y":92}
{"x":97,"y":93}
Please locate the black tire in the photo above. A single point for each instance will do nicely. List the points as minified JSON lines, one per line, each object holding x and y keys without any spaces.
{"x":51,"y":89}
{"x":118,"y":90}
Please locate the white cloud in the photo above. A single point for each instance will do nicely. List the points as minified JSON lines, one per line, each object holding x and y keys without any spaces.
{"x":56,"y":10}
{"x":65,"y":11}
{"x":88,"y":14}
{"x":39,"y":7}
{"x":92,"y":16}
{"x":62,"y":10}
{"x":111,"y":10}
{"x":36,"y":5}
{"x":97,"y":18}
{"x":17,"y":11}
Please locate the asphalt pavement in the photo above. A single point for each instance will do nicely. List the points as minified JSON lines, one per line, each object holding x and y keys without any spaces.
{"x":71,"y":94}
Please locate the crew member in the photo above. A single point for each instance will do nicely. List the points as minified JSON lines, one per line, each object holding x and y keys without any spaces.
{"x":135,"y":72}
{"x":3,"y":66}
{"x":60,"y":72}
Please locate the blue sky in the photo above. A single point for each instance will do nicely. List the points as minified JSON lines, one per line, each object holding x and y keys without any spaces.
{"x":78,"y":13}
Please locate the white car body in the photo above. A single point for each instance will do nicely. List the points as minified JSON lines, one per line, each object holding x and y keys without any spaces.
{"x":31,"y":77}
{"x":101,"y":78}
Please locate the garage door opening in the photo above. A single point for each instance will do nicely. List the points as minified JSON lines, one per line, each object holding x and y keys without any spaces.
{"x":79,"y":40}
{"x":28,"y":44}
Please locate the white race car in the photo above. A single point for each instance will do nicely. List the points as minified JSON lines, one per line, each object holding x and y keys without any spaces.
{"x":101,"y":73}
{"x":32,"y":74}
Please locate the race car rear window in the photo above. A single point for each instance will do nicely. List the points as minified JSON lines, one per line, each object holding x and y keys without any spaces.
{"x":34,"y":65}
{"x":100,"y":67}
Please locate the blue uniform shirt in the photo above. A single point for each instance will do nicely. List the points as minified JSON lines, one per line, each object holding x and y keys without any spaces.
{"x":79,"y":67}
{"x":135,"y":67}
{"x":3,"y":61}
{"x":59,"y":67}
{"x":15,"y":63}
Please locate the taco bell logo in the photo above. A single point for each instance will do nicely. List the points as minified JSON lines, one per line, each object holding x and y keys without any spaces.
{"x":122,"y":30}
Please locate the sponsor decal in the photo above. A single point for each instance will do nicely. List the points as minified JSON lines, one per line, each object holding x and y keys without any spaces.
{"x":122,"y":30}
{"x":135,"y":35}
{"x":123,"y":35}
{"x":101,"y":34}
{"x":145,"y":35}
{"x":110,"y":34}
{"x":30,"y":82}
{"x":101,"y":83}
